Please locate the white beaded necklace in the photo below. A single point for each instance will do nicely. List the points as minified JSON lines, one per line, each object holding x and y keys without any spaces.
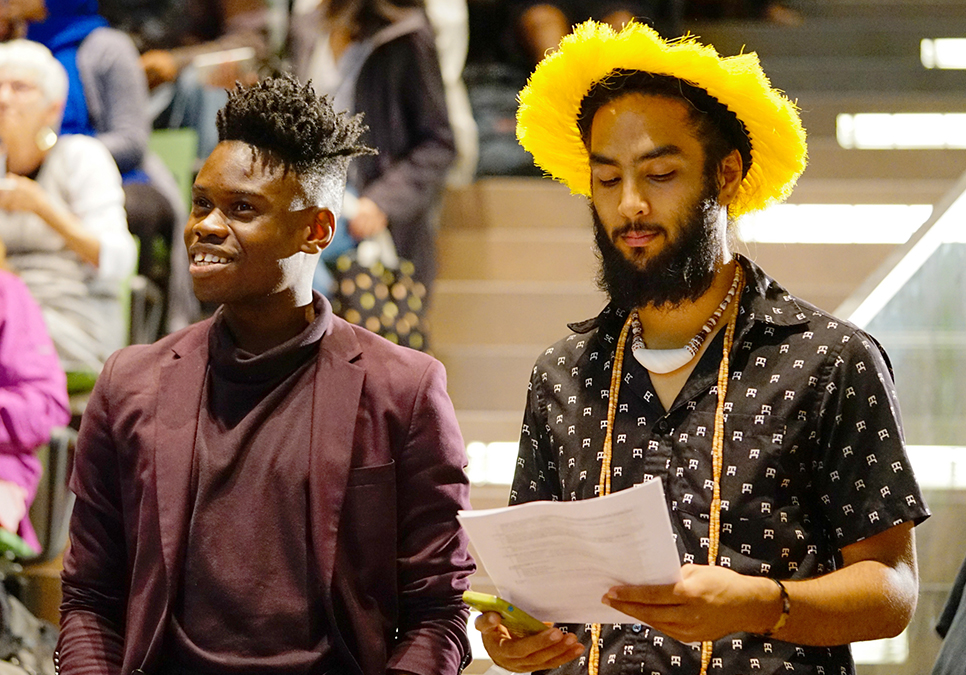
{"x":668,"y":360}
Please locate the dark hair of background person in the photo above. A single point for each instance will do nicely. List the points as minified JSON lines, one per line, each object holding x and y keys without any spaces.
{"x":366,"y":17}
{"x":297,"y":127}
{"x":719,"y":129}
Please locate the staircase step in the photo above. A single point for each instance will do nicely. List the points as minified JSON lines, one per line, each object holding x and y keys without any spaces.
{"x":535,"y":202}
{"x":489,"y":377}
{"x":863,"y":10}
{"x":490,"y":496}
{"x":517,"y":253}
{"x":859,"y":74}
{"x":822,"y":274}
{"x":827,"y":159}
{"x":819,"y":109}
{"x":835,"y":37}
{"x":41,"y":588}
{"x":870,"y":191}
{"x":492,"y":426}
{"x":510,"y":312}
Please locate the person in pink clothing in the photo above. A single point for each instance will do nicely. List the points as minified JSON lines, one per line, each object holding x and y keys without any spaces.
{"x":33,"y":400}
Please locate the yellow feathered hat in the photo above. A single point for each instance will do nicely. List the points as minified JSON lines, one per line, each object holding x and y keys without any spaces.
{"x":550,"y":104}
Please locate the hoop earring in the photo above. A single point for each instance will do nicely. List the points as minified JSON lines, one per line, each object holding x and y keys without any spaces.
{"x":45,"y":139}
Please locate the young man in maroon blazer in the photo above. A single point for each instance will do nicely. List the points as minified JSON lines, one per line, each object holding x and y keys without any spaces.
{"x":272,"y":490}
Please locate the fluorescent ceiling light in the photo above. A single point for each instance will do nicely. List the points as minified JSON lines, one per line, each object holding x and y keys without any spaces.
{"x":901,"y":131}
{"x":834,"y":223}
{"x":945,"y":53}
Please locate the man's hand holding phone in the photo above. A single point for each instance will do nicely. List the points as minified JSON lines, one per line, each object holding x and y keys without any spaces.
{"x":509,"y":637}
{"x":548,"y":649}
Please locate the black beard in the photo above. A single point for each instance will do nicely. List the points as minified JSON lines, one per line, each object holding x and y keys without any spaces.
{"x":683,"y":270}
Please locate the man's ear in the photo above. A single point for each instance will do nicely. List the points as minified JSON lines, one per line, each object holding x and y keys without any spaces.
{"x":321,"y":232}
{"x":729,"y":177}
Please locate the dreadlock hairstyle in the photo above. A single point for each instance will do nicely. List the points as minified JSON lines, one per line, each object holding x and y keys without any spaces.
{"x":719,"y":129}
{"x":298,"y":130}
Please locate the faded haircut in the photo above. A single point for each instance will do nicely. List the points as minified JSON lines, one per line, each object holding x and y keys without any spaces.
{"x":300,"y":130}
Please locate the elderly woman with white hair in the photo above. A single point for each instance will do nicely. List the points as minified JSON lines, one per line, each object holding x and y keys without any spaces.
{"x":62,"y":216}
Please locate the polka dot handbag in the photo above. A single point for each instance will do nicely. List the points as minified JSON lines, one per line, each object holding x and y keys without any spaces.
{"x":379,"y":293}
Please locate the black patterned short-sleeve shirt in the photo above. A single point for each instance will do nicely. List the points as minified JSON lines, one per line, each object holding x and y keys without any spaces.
{"x":814,"y":460}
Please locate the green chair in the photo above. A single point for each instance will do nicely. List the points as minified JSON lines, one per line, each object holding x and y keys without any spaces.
{"x":80,"y":383}
{"x":178,"y":149}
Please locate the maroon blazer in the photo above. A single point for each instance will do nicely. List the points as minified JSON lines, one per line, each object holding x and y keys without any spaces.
{"x":387,"y":480}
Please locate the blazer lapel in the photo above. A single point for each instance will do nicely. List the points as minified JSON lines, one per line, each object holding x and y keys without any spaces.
{"x":181,"y":386}
{"x":338,"y":389}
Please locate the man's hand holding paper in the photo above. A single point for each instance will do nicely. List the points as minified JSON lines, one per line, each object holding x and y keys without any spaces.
{"x":706,"y":604}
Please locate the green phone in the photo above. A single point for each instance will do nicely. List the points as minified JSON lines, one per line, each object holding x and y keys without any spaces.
{"x":515,"y":619}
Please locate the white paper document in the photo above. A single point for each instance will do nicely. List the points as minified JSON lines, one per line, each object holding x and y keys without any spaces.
{"x":555,"y":560}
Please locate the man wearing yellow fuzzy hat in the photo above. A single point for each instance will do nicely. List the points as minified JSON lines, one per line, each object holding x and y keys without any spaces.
{"x":772,"y":425}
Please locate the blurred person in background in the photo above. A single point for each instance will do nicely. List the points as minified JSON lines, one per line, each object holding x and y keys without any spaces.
{"x":33,"y":400}
{"x":107,"y":97}
{"x":539,"y":25}
{"x":378,"y":57}
{"x":172,"y":35}
{"x":451,"y":22}
{"x":61,"y":212}
{"x":771,"y":11}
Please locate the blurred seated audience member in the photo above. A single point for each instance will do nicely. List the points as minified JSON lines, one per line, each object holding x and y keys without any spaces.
{"x":173,"y":35}
{"x":61,"y":212}
{"x":378,"y":57}
{"x":33,"y":400}
{"x":107,"y":97}
{"x":450,"y":22}
{"x":539,"y":25}
{"x":766,"y":10}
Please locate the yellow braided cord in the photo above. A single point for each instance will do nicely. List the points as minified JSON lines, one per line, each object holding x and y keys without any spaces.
{"x":593,"y":658}
{"x":615,"y":388}
{"x":717,"y":451}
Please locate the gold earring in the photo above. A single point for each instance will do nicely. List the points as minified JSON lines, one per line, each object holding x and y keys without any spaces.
{"x":45,"y":139}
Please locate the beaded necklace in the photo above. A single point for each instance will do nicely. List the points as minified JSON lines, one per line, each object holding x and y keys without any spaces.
{"x":668,"y":360}
{"x":717,"y":454}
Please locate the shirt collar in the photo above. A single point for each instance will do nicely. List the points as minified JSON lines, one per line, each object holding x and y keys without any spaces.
{"x":766,"y":301}
{"x":235,"y":364}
